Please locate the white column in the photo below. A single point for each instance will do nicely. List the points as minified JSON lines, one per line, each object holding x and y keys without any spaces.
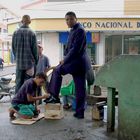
{"x":52,"y":47}
{"x":100,"y":50}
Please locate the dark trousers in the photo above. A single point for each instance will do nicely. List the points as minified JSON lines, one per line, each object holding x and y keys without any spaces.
{"x":80,"y":85}
{"x":1,"y":66}
{"x":21,"y":76}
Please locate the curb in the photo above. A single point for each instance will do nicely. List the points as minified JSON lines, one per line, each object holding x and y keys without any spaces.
{"x":9,"y":65}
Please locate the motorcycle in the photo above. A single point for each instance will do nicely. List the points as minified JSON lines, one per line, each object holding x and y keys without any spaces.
{"x":7,"y":87}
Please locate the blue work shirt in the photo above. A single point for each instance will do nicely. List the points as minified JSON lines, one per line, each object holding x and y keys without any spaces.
{"x":75,"y":53}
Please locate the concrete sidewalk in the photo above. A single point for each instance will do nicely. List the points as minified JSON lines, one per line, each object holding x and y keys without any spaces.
{"x":8,"y":69}
{"x":68,"y":128}
{"x":9,"y":64}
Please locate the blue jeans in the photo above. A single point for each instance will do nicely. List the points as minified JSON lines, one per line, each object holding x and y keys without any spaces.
{"x":68,"y":99}
{"x":1,"y":66}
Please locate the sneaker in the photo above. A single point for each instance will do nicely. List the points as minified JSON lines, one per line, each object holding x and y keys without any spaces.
{"x":52,"y":99}
{"x":67,"y":106}
{"x":78,"y":116}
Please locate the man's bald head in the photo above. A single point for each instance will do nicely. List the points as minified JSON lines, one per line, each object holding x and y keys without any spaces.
{"x":26,"y":20}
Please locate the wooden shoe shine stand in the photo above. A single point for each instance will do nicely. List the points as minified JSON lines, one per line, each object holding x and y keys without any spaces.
{"x":53,"y":111}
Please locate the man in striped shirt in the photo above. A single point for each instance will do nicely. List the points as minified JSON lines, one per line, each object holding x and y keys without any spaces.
{"x":24,"y":46}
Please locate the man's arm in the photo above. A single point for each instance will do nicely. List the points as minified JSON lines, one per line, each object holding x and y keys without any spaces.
{"x":30,"y":98}
{"x":13,"y":45}
{"x":34,"y":48}
{"x":77,"y":45}
{"x":47,"y":64}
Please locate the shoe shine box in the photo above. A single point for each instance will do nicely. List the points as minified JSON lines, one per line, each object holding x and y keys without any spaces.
{"x":53,"y":111}
{"x":98,"y":111}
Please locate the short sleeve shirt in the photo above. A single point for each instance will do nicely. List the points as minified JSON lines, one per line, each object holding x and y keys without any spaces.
{"x":29,"y":87}
{"x":43,"y":63}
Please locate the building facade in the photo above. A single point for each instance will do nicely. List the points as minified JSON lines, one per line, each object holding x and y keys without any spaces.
{"x":5,"y":40}
{"x":109,"y":35}
{"x":106,"y":38}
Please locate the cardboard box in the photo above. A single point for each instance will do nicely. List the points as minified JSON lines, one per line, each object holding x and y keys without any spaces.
{"x":53,"y":111}
{"x":98,"y":111}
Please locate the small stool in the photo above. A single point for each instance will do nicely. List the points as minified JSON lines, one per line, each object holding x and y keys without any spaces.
{"x":98,"y":111}
{"x":53,"y":111}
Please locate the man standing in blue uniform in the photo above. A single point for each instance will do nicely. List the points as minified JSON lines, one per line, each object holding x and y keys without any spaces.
{"x":76,"y":62}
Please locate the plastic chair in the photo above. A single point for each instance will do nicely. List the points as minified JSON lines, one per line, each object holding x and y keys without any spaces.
{"x":68,"y":89}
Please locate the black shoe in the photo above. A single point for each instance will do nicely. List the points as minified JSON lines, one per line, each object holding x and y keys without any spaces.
{"x":52,"y":99}
{"x":78,"y":116}
{"x":67,"y":106}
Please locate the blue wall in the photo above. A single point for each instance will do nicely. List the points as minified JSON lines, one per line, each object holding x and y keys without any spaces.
{"x":63,"y":36}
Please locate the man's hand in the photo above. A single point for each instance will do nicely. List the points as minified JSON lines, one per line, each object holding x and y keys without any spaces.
{"x":46,"y":95}
{"x":53,"y":67}
{"x":62,"y":62}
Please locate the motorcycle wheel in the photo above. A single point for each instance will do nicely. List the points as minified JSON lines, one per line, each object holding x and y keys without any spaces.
{"x":1,"y":96}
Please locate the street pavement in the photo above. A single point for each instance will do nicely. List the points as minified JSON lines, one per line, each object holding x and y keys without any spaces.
{"x":8,"y":70}
{"x":68,"y":128}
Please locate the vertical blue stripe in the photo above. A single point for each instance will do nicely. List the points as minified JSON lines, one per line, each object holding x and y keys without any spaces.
{"x":89,"y":37}
{"x":63,"y":36}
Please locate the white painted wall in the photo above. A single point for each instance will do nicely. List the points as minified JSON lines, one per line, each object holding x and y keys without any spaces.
{"x":52,"y":47}
{"x":100,"y":50}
